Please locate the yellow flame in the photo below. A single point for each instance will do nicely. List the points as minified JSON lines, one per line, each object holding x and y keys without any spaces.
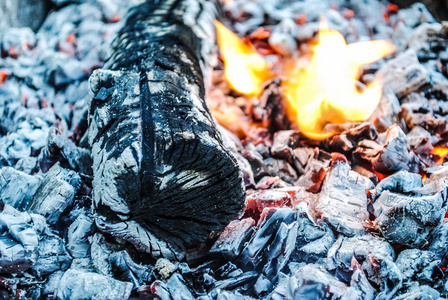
{"x":326,"y":90}
{"x":245,"y":69}
{"x":442,"y":152}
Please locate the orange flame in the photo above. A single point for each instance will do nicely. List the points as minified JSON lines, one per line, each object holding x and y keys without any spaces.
{"x":245,"y":69}
{"x":326,"y":90}
{"x":441,"y":152}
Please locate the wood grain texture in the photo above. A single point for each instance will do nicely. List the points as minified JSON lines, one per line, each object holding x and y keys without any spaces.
{"x":162,"y":178}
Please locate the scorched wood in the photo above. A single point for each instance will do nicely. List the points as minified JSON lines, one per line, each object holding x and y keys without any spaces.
{"x":162,"y":177}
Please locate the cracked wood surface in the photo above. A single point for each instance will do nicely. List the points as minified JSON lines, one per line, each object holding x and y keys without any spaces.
{"x":162,"y":178}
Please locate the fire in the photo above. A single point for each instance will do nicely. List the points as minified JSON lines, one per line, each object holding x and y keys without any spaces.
{"x":326,"y":90}
{"x":441,"y":152}
{"x":245,"y":69}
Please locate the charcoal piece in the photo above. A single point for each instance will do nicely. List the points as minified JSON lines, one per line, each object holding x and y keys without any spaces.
{"x":343,"y":200}
{"x":280,"y":290}
{"x":233,"y":238}
{"x":246,"y":169}
{"x":275,"y":108}
{"x":385,"y":115}
{"x":313,"y":240}
{"x":100,"y":251}
{"x":271,"y":246}
{"x":362,"y":248}
{"x":303,"y":155}
{"x":238,"y":283}
{"x":26,"y":164}
{"x":14,"y":258}
{"x":315,"y":171}
{"x":259,"y":200}
{"x":408,"y":218}
{"x":348,"y":140}
{"x":440,"y":173}
{"x":19,"y":241}
{"x":422,"y":292}
{"x":23,"y":13}
{"x":417,"y":114}
{"x":17,"y":188}
{"x":55,"y":193}
{"x":360,"y":287}
{"x":341,"y":143}
{"x":394,"y":155}
{"x":416,"y":264}
{"x":282,"y":169}
{"x":228,"y":270}
{"x":404,"y":74}
{"x":178,"y":289}
{"x":284,"y":143}
{"x":366,"y":173}
{"x":389,"y":275}
{"x":420,"y":140}
{"x":439,"y":107}
{"x":52,"y":256}
{"x":125,"y":269}
{"x":400,"y":182}
{"x":79,"y":284}
{"x":277,"y":255}
{"x":269,"y":182}
{"x":52,"y":283}
{"x":262,"y":285}
{"x":415,"y":14}
{"x":282,"y":38}
{"x":155,"y":147}
{"x":255,"y":160}
{"x":314,"y":282}
{"x":60,"y":149}
{"x":77,"y":242}
{"x":439,"y":242}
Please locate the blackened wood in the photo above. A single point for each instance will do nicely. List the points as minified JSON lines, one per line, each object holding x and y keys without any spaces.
{"x":162,"y":177}
{"x":23,"y":13}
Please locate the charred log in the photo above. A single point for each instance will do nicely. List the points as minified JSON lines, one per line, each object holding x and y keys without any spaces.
{"x":162,"y":176}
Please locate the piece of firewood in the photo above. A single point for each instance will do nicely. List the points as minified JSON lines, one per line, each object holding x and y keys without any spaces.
{"x":162,"y":177}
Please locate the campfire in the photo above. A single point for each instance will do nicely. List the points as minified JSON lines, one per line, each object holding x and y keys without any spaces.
{"x":224,"y":150}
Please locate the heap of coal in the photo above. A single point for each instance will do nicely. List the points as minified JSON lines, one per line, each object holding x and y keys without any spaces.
{"x":360,"y":215}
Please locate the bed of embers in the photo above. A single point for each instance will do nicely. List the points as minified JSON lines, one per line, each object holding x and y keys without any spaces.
{"x":356,"y":215}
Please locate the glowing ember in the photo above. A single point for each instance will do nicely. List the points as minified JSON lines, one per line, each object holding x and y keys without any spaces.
{"x":245,"y":69}
{"x":441,"y":152}
{"x":326,"y":90}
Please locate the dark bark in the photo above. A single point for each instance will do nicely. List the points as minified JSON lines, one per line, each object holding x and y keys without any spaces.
{"x":162,"y":177}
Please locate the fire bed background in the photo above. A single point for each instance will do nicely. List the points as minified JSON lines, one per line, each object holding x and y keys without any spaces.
{"x":354,"y":212}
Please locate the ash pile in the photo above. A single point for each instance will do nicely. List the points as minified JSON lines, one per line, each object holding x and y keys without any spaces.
{"x":359,"y":215}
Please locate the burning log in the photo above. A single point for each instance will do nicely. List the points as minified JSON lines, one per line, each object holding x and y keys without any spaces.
{"x":162,"y":177}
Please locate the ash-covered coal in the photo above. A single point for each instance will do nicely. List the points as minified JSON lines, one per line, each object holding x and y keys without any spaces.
{"x":357,"y":225}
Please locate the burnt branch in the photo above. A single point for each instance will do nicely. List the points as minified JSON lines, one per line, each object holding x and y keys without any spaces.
{"x":162,"y":177}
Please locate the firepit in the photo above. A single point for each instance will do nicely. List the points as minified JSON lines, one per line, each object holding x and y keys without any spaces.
{"x":232,"y":150}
